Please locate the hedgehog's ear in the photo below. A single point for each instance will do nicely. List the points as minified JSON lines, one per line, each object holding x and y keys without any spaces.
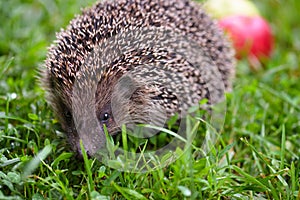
{"x":126,"y":86}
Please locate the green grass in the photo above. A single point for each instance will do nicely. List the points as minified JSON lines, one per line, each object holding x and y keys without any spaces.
{"x":255,"y":157}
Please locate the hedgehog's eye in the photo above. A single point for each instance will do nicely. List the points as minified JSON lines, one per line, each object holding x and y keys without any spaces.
{"x":104,"y":117}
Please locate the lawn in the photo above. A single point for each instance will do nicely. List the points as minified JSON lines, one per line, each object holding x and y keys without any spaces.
{"x":256,"y":154}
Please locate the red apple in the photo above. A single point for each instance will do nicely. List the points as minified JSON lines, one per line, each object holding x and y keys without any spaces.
{"x":251,"y":36}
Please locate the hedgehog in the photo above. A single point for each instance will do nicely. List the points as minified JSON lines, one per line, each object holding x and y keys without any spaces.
{"x":134,"y":61}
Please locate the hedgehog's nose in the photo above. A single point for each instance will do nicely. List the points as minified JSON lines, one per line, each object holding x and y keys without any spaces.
{"x":88,"y":154}
{"x":80,"y":156}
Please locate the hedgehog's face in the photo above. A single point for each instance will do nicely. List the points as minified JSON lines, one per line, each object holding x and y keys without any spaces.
{"x":90,"y":129}
{"x":116,"y":103}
